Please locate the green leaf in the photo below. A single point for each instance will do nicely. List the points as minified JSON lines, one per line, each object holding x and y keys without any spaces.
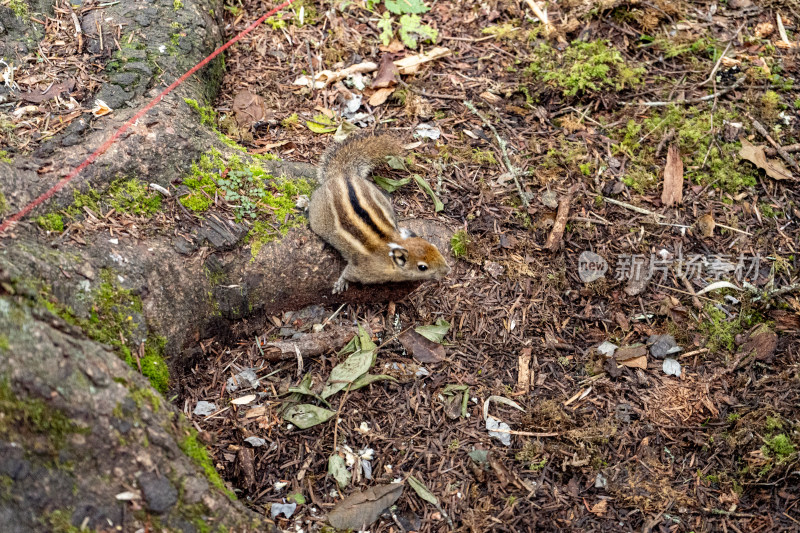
{"x":401,"y":7}
{"x":390,"y":185}
{"x":396,"y":162}
{"x":366,"y":379}
{"x":355,"y":366}
{"x":321,"y":124}
{"x":297,"y":498}
{"x":437,"y":204}
{"x":436,"y":332}
{"x":362,"y":341}
{"x":338,"y":470}
{"x":452,"y":389}
{"x":306,"y":415}
{"x":385,"y":25}
{"x":304,"y":388}
{"x":411,"y":26}
{"x":422,"y":491}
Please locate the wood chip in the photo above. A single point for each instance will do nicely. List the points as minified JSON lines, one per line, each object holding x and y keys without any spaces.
{"x":673,"y":178}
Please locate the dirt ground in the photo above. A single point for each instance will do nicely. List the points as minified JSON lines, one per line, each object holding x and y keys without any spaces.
{"x":597,"y":115}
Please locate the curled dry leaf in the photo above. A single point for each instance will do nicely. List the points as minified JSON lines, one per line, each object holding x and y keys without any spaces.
{"x":423,"y":350}
{"x":706,"y":224}
{"x":387,"y":73}
{"x":756,"y":155}
{"x":380,"y":96}
{"x":100,"y":108}
{"x":363,"y":508}
{"x":248,"y":108}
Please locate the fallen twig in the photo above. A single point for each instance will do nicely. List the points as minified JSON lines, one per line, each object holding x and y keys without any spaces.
{"x":503,"y":144}
{"x":554,"y":239}
{"x":717,"y":94}
{"x":641,"y":210}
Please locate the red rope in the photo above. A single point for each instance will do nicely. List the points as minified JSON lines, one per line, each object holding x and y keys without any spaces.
{"x":106,"y":145}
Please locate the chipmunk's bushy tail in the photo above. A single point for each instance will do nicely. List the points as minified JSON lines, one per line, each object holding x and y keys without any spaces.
{"x":357,"y":155}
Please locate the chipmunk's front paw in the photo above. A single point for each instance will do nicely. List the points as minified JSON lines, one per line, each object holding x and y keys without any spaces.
{"x":340,"y":286}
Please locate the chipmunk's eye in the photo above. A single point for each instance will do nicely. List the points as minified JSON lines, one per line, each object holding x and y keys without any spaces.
{"x":422,"y":267}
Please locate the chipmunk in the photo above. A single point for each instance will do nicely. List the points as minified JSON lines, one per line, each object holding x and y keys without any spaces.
{"x":357,"y":219}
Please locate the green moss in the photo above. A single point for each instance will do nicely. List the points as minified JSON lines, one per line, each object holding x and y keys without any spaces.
{"x":459,"y":243}
{"x":281,"y":201}
{"x":18,"y":7}
{"x":197,"y":452}
{"x":584,"y":68}
{"x":177,"y":4}
{"x":207,"y":114}
{"x":707,"y":161}
{"x":112,"y":318}
{"x":33,"y":416}
{"x":483,"y":156}
{"x":51,"y":222}
{"x":59,"y":521}
{"x":779,"y":446}
{"x":140,"y":396}
{"x":770,"y":104}
{"x":5,"y":158}
{"x":134,"y":197}
{"x":773,"y":424}
{"x":4,"y":342}
{"x":720,"y":330}
{"x":733,"y":417}
{"x":767,"y":211}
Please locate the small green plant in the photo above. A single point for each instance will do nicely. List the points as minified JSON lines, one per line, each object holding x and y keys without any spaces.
{"x":5,"y":158}
{"x":733,"y":417}
{"x":411,"y":27}
{"x":459,"y":243}
{"x":276,"y":23}
{"x":177,"y":4}
{"x":291,"y":121}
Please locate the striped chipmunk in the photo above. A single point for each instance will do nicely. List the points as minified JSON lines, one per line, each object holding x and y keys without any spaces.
{"x":357,"y":218}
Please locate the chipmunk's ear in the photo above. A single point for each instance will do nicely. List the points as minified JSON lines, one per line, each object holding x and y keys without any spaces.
{"x":407,"y":233}
{"x":398,"y":254}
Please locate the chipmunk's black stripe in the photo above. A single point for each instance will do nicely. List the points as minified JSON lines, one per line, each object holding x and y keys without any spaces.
{"x":362,"y":213}
{"x":345,"y":222}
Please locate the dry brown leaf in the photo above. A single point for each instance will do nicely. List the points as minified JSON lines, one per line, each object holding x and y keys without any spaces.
{"x":491,"y":98}
{"x":673,"y":178}
{"x":393,"y":47}
{"x":764,"y":29}
{"x":424,"y":350}
{"x":387,"y":73}
{"x":773,"y":167}
{"x":248,"y":108}
{"x":706,"y":225}
{"x":630,"y":352}
{"x":380,"y":96}
{"x":600,"y":508}
{"x":636,"y":362}
{"x":56,"y":89}
{"x":361,"y":509}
